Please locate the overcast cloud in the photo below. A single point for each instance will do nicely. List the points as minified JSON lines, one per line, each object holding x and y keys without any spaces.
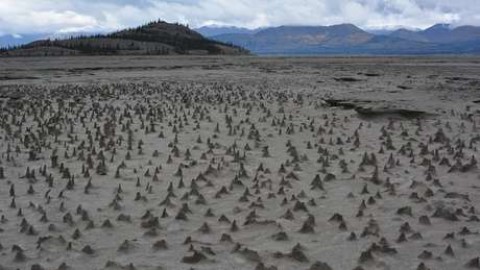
{"x":63,"y":16}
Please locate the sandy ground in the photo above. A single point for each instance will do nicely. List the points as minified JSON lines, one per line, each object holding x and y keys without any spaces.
{"x":239,"y":163}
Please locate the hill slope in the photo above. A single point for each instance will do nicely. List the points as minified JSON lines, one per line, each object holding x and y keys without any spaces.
{"x":156,"y":38}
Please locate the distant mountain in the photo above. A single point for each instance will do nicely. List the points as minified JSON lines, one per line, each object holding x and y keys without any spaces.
{"x":287,"y":39}
{"x":349,"y":39}
{"x":336,"y":35}
{"x":15,"y":40}
{"x":409,"y":35}
{"x":378,"y":32}
{"x":213,"y":30}
{"x":242,"y":40}
{"x":155,"y":38}
{"x":444,"y":34}
{"x":441,"y":34}
{"x":18,"y":40}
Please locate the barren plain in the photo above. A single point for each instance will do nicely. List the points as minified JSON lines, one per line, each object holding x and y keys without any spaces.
{"x":239,"y":163}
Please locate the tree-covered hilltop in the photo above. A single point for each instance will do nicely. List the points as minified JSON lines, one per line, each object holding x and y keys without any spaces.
{"x":154,"y":38}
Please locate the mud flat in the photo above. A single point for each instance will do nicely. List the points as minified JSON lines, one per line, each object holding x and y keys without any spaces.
{"x":239,"y":163}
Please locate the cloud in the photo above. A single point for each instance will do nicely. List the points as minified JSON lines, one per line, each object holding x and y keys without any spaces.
{"x":27,"y":16}
{"x":60,"y":16}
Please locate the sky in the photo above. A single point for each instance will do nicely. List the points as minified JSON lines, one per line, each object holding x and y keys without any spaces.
{"x":21,"y":17}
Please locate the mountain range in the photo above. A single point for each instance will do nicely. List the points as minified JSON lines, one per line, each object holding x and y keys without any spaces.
{"x":155,"y":38}
{"x":350,"y":39}
{"x":166,"y":38}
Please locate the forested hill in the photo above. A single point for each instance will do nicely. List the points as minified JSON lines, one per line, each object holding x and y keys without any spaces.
{"x":155,"y":38}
